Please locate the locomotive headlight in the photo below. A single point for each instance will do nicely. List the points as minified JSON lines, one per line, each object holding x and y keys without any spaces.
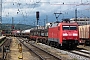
{"x":75,"y":34}
{"x":65,"y":34}
{"x":64,"y":38}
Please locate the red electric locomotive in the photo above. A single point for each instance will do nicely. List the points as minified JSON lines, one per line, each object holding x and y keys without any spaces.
{"x":63,"y":34}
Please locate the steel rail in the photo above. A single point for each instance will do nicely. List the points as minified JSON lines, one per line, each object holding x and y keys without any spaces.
{"x":41,"y":57}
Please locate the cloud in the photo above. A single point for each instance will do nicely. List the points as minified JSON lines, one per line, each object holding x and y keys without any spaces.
{"x":28,"y":8}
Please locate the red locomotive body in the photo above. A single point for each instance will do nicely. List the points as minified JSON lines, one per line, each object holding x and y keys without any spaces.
{"x":64,"y":34}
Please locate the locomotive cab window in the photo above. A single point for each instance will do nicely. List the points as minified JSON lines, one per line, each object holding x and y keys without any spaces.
{"x":69,"y":27}
{"x":65,"y":27}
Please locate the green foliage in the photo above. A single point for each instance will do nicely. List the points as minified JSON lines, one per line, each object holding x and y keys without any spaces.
{"x":16,"y":26}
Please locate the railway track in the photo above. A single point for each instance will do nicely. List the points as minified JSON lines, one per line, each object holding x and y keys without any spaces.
{"x":5,"y":47}
{"x":78,"y":54}
{"x":43,"y":55}
{"x":81,"y":54}
{"x":84,"y":53}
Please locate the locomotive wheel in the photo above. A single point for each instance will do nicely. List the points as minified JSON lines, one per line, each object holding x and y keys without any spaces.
{"x":57,"y":45}
{"x":50,"y":43}
{"x":61,"y":47}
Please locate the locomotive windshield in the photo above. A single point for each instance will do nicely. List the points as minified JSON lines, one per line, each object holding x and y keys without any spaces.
{"x":69,"y":27}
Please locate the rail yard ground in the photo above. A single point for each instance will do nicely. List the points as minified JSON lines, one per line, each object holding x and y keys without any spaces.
{"x":66,"y":54}
{"x":26,"y":54}
{"x":84,"y":47}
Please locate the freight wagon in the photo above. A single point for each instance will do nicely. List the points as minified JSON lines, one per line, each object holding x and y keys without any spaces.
{"x":84,"y":34}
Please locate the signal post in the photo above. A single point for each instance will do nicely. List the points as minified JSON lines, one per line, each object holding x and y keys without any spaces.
{"x":37,"y":18}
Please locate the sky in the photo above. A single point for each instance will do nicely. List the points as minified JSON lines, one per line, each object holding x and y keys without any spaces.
{"x":24,"y":11}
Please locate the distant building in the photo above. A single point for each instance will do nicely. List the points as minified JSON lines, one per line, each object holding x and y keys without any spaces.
{"x":81,"y":21}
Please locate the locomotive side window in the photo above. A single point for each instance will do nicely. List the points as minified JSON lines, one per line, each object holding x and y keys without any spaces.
{"x":69,"y":27}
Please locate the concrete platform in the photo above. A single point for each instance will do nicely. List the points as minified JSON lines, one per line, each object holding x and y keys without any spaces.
{"x":16,"y":55}
{"x":2,"y":37}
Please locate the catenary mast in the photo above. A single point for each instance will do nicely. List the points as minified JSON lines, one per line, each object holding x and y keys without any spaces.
{"x":0,"y":17}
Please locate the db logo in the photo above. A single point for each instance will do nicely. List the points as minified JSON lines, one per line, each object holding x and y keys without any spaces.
{"x":70,"y":34}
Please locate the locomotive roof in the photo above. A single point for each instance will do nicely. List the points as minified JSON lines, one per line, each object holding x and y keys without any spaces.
{"x":68,"y":23}
{"x":62,"y":23}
